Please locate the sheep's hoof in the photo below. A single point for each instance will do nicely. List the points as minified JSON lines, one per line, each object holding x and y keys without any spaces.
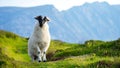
{"x":39,"y":60}
{"x":44,"y":60}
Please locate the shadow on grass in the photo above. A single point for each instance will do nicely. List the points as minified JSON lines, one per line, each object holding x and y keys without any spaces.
{"x":51,"y":57}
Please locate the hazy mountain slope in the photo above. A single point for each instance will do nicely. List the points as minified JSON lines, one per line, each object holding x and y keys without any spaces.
{"x":94,"y":21}
{"x":77,"y":24}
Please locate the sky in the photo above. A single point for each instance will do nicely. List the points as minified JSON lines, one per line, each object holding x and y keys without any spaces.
{"x":59,"y":4}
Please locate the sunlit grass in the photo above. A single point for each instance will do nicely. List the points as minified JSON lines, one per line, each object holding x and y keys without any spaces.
{"x":92,"y":54}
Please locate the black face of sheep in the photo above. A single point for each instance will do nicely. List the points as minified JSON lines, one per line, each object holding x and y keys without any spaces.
{"x":41,"y":20}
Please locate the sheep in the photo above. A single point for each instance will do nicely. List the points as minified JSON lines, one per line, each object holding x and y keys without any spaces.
{"x":39,"y":41}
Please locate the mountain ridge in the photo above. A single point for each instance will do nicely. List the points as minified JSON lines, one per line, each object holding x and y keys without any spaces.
{"x":98,"y":20}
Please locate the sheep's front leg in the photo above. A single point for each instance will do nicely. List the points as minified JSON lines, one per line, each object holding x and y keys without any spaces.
{"x":39,"y":54}
{"x":44,"y":52}
{"x":44,"y":57}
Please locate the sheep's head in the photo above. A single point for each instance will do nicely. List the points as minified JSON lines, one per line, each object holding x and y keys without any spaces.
{"x":42,"y":20}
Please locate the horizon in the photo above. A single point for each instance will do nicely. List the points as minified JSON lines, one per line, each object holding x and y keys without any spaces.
{"x":60,"y":5}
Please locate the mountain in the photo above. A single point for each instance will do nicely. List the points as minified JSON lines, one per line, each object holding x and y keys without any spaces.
{"x":97,"y":20}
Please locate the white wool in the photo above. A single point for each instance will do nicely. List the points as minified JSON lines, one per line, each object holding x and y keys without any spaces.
{"x":39,"y":41}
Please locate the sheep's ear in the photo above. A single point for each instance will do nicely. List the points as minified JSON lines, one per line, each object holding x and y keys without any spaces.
{"x":46,"y":19}
{"x":38,"y":17}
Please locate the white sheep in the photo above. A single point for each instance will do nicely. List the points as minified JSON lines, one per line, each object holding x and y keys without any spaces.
{"x":40,"y":40}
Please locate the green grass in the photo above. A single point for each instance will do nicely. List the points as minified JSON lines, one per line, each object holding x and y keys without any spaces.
{"x":92,"y":54}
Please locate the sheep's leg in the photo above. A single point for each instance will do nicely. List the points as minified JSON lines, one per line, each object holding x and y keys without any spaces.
{"x":32,"y":58}
{"x":39,"y":54}
{"x":44,"y":52}
{"x":44,"y":57}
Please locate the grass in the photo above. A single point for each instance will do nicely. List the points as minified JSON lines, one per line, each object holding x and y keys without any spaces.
{"x":92,"y":54}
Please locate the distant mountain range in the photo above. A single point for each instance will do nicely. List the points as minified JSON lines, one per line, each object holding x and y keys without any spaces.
{"x":97,"y":20}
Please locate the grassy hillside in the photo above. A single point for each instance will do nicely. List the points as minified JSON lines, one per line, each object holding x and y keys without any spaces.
{"x":92,"y":54}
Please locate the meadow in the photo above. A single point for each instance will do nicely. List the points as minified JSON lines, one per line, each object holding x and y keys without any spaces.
{"x":91,"y":54}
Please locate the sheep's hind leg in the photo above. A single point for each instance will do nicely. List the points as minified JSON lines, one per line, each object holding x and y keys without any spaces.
{"x":32,"y":58}
{"x":39,"y":54}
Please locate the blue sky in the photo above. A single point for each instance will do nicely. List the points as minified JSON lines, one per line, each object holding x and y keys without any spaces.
{"x":59,"y":4}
